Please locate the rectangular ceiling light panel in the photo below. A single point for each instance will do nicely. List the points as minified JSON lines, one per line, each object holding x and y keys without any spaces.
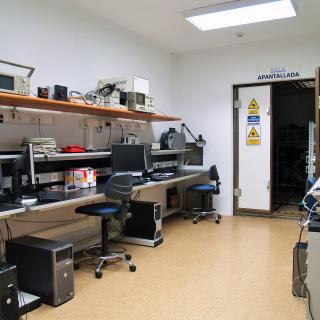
{"x":239,"y":12}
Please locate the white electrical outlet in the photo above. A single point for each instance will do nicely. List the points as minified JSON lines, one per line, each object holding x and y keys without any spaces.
{"x":16,"y":117}
{"x":128,"y":126}
{"x":35,"y":119}
{"x":116,"y":125}
{"x":54,"y":176}
{"x":140,"y":126}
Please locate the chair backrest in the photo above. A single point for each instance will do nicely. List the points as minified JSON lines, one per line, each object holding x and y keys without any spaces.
{"x":213,"y":173}
{"x":119,"y":187}
{"x":214,"y":176}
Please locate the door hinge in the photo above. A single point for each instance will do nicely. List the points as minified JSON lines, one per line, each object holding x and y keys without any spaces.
{"x":237,"y":192}
{"x":237,"y":104}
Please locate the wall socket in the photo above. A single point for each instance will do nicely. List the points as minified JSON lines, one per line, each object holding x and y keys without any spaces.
{"x":20,"y":117}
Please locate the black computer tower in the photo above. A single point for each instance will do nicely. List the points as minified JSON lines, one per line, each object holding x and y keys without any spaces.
{"x":44,"y":267}
{"x":146,"y":221}
{"x":9,"y":303}
{"x":299,"y":254}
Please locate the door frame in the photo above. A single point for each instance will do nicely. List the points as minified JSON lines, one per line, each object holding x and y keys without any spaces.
{"x":235,"y":91}
{"x":317,"y":122}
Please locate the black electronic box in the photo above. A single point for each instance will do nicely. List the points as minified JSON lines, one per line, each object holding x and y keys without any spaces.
{"x":45,"y":267}
{"x":9,"y":302}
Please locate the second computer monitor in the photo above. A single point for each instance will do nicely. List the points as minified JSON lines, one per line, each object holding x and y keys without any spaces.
{"x":133,"y":158}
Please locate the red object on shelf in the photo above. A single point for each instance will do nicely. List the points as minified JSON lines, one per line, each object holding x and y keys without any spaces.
{"x":73,"y":148}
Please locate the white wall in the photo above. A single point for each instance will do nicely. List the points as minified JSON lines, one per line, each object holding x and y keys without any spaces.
{"x":70,"y":47}
{"x":203,"y":88}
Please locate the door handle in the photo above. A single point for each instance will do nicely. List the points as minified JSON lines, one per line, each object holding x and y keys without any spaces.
{"x":268,"y":111}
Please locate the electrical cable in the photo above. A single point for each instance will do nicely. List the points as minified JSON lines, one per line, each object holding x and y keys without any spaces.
{"x":9,"y":233}
{"x":74,"y":96}
{"x":50,"y":221}
{"x":39,"y":127}
{"x":107,"y":89}
{"x":295,"y":293}
{"x":3,"y":250}
{"x":40,"y":145}
{"x":300,"y":276}
{"x":122,"y":134}
{"x":110,"y":129}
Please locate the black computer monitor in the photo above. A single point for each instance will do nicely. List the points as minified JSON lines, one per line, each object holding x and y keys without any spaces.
{"x":24,"y":163}
{"x":133,"y":158}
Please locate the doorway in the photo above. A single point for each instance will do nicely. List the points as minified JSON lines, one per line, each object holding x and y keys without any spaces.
{"x":293,"y":120}
{"x":270,"y":167}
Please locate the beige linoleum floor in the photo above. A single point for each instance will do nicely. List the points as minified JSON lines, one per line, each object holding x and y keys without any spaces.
{"x":238,"y":270}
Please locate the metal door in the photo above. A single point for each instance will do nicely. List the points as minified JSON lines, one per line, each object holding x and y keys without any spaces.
{"x":254,"y":149}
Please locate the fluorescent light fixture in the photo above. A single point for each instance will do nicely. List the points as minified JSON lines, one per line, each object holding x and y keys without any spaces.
{"x":239,"y":12}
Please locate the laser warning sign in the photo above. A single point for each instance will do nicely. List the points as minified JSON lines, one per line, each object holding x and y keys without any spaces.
{"x":253,"y":107}
{"x":253,"y":134}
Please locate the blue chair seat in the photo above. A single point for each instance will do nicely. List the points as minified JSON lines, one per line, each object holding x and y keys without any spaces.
{"x":103,"y":209}
{"x":203,"y":187}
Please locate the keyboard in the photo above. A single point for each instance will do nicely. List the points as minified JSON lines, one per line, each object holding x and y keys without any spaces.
{"x":51,"y":196}
{"x":162,"y":176}
{"x":139,"y":180}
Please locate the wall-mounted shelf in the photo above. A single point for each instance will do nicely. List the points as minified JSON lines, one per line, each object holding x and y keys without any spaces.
{"x":62,"y":156}
{"x":62,"y":106}
{"x":164,"y":152}
{"x":83,"y":155}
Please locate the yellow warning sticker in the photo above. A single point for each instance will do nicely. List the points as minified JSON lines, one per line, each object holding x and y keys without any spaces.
{"x":253,"y":107}
{"x":253,"y":134}
{"x":253,"y":104}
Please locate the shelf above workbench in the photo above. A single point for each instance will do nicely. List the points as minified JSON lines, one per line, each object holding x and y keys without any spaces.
{"x":41,"y":157}
{"x":7,"y":99}
{"x":165,"y":152}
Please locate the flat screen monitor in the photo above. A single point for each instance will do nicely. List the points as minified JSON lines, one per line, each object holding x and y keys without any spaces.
{"x":134,"y":158}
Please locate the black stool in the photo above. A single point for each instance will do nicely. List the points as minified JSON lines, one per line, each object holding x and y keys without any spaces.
{"x":206,"y":191}
{"x":119,"y":187}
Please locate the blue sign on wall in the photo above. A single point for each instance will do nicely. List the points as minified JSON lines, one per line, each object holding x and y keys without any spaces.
{"x":253,"y":119}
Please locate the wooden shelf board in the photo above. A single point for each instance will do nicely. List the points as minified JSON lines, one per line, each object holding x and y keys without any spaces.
{"x":63,"y":106}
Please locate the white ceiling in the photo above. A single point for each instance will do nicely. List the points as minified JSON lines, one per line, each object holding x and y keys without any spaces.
{"x":162,"y":22}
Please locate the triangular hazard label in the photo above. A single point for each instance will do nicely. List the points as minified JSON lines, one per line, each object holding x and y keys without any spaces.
{"x":253,"y":105}
{"x":253,"y":133}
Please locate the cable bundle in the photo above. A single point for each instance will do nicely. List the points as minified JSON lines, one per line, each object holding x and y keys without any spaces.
{"x":40,"y":145}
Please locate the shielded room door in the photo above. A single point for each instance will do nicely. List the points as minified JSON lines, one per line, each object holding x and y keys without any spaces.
{"x":253,"y":151}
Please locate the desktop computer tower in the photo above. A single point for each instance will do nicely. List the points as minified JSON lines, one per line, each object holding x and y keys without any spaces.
{"x":194,"y":201}
{"x":9,"y":303}
{"x":44,"y":268}
{"x":146,"y":222}
{"x":299,"y":254}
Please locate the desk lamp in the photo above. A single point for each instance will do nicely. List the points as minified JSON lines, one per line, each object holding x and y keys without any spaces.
{"x":200,"y":142}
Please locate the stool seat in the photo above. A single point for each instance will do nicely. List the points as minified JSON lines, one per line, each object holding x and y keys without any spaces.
{"x":206,"y":192}
{"x":203,"y":187}
{"x":103,"y":209}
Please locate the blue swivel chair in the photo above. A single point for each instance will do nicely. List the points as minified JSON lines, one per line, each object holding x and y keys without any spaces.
{"x":206,"y":191}
{"x":119,"y":187}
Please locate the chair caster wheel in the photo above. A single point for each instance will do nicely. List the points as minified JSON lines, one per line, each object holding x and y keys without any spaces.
{"x":132,"y":268}
{"x":194,"y":221}
{"x":127,"y":257}
{"x":98,"y":274}
{"x":185,"y":217}
{"x":76,"y":266}
{"x":217,"y":221}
